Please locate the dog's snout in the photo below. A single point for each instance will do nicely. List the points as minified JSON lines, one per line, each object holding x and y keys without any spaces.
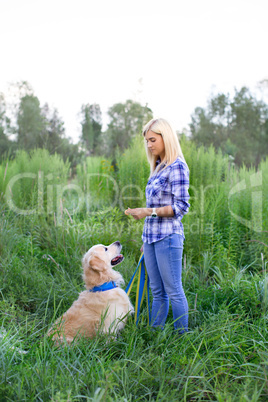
{"x":117,"y":243}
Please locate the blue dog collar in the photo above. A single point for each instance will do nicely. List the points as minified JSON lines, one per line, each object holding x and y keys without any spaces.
{"x":105,"y":286}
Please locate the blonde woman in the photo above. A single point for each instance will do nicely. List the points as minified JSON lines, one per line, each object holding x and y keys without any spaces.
{"x":163,"y":236}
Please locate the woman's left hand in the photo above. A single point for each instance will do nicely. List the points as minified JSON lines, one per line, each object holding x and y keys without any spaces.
{"x":137,"y":213}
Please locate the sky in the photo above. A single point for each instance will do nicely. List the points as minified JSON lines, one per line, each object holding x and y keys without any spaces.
{"x":171,"y":55}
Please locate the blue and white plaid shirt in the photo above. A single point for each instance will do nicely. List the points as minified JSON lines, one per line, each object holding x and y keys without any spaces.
{"x":168,"y":186}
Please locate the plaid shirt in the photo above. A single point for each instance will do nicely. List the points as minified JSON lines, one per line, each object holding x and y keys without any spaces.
{"x":169,"y":186}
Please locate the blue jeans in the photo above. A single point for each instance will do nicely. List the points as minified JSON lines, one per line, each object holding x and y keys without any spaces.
{"x":163,"y":260}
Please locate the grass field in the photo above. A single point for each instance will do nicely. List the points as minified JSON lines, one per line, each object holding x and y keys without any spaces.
{"x":49,"y":220}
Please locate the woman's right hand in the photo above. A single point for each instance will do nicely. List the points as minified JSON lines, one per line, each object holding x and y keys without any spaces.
{"x":137,"y":213}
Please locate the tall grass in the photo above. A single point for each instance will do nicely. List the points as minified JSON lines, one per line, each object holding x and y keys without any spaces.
{"x":132,"y":176}
{"x":229,"y":207}
{"x":96,"y":179}
{"x":223,"y":358}
{"x":25,"y":182}
{"x":224,"y":355}
{"x":220,"y":221}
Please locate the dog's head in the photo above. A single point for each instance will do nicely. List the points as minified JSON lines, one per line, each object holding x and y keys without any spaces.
{"x":98,"y":263}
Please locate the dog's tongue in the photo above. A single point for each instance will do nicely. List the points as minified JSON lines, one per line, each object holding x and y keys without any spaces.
{"x":117,"y":259}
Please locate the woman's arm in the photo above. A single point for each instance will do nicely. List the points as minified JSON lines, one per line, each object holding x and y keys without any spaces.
{"x":179,"y":183}
{"x":140,"y":213}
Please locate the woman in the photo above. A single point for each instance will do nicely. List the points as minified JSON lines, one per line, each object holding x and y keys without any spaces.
{"x":166,"y":203}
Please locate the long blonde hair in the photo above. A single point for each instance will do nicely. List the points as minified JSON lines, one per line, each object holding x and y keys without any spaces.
{"x":171,"y":143}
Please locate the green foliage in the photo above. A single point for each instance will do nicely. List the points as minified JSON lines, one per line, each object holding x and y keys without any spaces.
{"x":26,"y":180}
{"x":7,"y":147}
{"x":223,"y":358}
{"x":54,"y":130}
{"x":132,"y":175}
{"x":91,"y":128}
{"x":237,"y":126}
{"x":229,"y":210}
{"x":126,"y":121}
{"x":224,"y":355}
{"x":226,"y":211}
{"x":31,"y":123}
{"x":33,"y":126}
{"x":95,"y":177}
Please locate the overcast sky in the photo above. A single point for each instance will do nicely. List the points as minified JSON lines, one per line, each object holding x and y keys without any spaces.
{"x":171,"y":54}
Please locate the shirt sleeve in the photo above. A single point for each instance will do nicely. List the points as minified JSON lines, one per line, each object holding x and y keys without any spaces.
{"x":179,"y":180}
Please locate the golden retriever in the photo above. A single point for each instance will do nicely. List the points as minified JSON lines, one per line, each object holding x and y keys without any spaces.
{"x":96,"y":310}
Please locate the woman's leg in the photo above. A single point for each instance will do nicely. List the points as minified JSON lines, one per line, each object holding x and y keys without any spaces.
{"x":168,"y":254}
{"x":160,"y":303}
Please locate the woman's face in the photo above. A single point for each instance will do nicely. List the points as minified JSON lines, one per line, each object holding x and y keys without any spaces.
{"x":155,"y":144}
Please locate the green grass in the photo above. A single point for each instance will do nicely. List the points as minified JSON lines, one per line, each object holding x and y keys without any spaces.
{"x":223,"y":357}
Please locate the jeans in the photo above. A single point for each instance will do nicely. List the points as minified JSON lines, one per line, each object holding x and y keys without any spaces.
{"x":163,"y":260}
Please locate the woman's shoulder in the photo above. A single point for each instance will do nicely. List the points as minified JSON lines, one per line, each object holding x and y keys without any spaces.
{"x":179,"y":163}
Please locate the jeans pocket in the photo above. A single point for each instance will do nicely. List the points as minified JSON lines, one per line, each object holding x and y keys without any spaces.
{"x":176,"y":241}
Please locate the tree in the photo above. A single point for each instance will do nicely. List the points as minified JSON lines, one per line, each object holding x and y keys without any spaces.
{"x":7,"y":147}
{"x":31,"y":123}
{"x":91,"y":128}
{"x":54,"y":129}
{"x":237,"y":127}
{"x":249,"y":117}
{"x":54,"y":138}
{"x":126,"y":121}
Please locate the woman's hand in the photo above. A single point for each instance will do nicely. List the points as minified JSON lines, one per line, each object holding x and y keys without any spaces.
{"x":137,"y":213}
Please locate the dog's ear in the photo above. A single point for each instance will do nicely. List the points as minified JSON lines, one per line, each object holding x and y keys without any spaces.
{"x":97,"y":263}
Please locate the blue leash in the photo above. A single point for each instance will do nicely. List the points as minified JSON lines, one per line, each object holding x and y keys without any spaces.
{"x":143,"y":287}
